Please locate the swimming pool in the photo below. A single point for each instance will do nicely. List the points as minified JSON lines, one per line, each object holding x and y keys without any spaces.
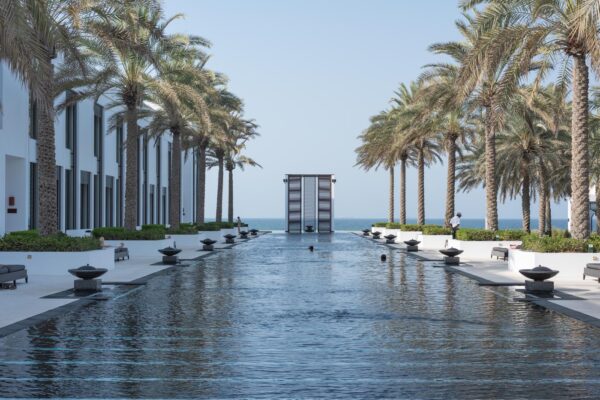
{"x":271,"y":319}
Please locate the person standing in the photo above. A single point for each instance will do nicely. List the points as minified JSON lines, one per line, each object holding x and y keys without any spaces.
{"x":455,"y":224}
{"x":239,"y":225}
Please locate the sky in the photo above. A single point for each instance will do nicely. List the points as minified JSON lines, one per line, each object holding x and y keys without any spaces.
{"x":311,"y":73}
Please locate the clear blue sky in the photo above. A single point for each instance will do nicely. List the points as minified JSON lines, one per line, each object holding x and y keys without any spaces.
{"x":311,"y":72}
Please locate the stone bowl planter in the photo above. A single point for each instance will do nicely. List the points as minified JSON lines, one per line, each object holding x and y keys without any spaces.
{"x":376,"y":234}
{"x":253,"y":232}
{"x":411,"y":242}
{"x":244,"y":234}
{"x":539,"y":273}
{"x":366,"y":232}
{"x":451,"y":252}
{"x":87,"y":272}
{"x":208,"y":242}
{"x":309,"y":228}
{"x":169,"y":251}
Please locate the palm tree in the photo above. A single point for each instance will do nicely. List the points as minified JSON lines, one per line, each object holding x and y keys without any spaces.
{"x":455,"y":122}
{"x":377,"y":150}
{"x":182,"y":111}
{"x":32,"y":34}
{"x":125,"y":43}
{"x":548,"y":33}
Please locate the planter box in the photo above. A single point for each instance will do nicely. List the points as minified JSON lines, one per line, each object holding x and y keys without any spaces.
{"x":141,"y":248}
{"x":481,"y":250}
{"x":570,"y":265}
{"x":58,"y":262}
{"x":433,"y":242}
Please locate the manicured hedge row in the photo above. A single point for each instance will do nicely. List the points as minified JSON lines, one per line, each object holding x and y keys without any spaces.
{"x":560,"y":244}
{"x":379,"y":224}
{"x":470,"y":234}
{"x":436,"y":230}
{"x":124,"y":234}
{"x":32,"y":241}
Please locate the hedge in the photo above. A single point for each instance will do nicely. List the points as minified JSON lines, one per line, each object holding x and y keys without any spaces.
{"x":471,"y":234}
{"x":34,"y":242}
{"x":436,"y":230}
{"x":554,"y":244}
{"x":379,"y":225}
{"x":124,"y":234}
{"x":184,"y":229}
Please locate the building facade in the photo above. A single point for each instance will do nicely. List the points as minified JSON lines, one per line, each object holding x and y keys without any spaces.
{"x":90,"y":166}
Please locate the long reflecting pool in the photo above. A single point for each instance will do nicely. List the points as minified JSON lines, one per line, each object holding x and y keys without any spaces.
{"x":271,"y":319}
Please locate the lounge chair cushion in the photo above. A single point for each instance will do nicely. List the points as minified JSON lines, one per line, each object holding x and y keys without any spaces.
{"x":593,"y":266}
{"x":3,"y":269}
{"x":15,"y":268}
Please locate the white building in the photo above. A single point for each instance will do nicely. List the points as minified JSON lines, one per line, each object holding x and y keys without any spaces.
{"x":90,"y":167}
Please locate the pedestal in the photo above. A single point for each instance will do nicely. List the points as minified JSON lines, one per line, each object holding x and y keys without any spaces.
{"x":170,"y":260}
{"x":412,"y":248}
{"x":208,"y":247}
{"x":244,"y":236}
{"x":390,"y":241}
{"x":230,"y":241}
{"x":451,"y":260}
{"x":539,"y":287}
{"x":88,"y":285}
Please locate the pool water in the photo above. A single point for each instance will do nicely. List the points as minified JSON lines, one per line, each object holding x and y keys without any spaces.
{"x":271,"y":319}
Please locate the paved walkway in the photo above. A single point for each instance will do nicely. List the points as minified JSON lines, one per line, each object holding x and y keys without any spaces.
{"x":578,"y":299}
{"x":30,"y":300}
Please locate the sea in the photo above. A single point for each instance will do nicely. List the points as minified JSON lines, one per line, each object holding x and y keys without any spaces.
{"x":357,"y":224}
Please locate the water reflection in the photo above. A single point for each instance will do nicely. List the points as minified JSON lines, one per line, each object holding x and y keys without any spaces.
{"x":272,"y":319}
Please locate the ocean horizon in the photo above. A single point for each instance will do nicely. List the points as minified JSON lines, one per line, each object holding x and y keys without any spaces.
{"x":357,"y":224}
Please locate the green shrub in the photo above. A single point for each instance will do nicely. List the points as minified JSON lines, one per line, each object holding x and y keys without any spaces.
{"x":30,"y":233}
{"x":124,"y":234}
{"x":379,"y":224}
{"x":471,"y":234}
{"x":554,"y":244}
{"x":405,"y":227}
{"x":209,"y":226}
{"x":58,"y":242}
{"x":154,"y":227}
{"x":227,"y":225}
{"x":184,"y":229}
{"x":436,"y":230}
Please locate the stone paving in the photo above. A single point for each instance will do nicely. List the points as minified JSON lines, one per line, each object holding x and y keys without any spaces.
{"x":29,"y":299}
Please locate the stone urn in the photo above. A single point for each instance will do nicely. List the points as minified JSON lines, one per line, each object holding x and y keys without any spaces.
{"x":390,"y":239}
{"x":229,"y":238}
{"x":170,"y":255}
{"x":376,"y":234}
{"x":244,"y":234}
{"x":309,"y":229}
{"x":451,"y":256}
{"x":208,"y":244}
{"x":87,"y":281}
{"x":412,"y":245}
{"x":253,"y":232}
{"x":366,"y":232}
{"x":538,"y":276}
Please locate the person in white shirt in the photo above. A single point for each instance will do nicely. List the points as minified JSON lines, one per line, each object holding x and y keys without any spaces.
{"x":455,"y":224}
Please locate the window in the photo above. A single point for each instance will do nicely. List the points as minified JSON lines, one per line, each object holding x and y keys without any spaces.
{"x":119,"y":213}
{"x":119,"y":142}
{"x":59,"y":196}
{"x":164,"y":206}
{"x":145,"y":187}
{"x":71,"y":125}
{"x":84,"y":198}
{"x":69,"y":200}
{"x":1,"y":96}
{"x":158,"y":158}
{"x":152,"y":204}
{"x":98,"y":129}
{"x":33,"y":195}
{"x":109,"y":201}
{"x":97,"y":196}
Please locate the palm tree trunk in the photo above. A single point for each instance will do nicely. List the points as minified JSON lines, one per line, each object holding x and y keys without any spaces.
{"x":597,"y":201}
{"x":391,"y":205}
{"x":175,"y":181}
{"x":526,"y":197}
{"x":450,"y":180}
{"x":219,"y":216}
{"x":403,"y":191}
{"x":580,"y":172}
{"x":421,"y":183}
{"x":131,"y":173}
{"x":543,"y":189}
{"x":230,"y":197}
{"x":46,"y":160}
{"x":490,"y":172}
{"x":548,"y":215}
{"x":201,"y":185}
